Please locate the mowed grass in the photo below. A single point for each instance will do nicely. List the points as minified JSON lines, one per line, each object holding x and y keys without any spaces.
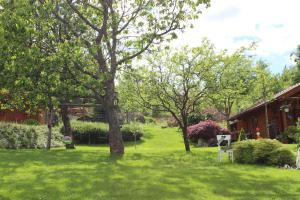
{"x":158,"y":168}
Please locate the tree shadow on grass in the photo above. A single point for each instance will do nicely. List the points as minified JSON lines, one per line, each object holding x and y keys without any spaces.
{"x":75,"y":175}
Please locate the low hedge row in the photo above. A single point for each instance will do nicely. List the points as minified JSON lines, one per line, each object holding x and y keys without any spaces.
{"x":97,"y":133}
{"x":266,"y":151}
{"x":15,"y":136}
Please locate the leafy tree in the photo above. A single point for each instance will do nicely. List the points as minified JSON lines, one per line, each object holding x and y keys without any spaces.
{"x":265,"y":86}
{"x":234,"y":78}
{"x":288,"y":77}
{"x":127,"y":95}
{"x":176,"y":82}
{"x":113,"y":33}
{"x":296,"y":56}
{"x":36,"y":64}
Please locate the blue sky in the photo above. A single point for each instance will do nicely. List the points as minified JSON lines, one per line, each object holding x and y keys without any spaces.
{"x":230,"y":24}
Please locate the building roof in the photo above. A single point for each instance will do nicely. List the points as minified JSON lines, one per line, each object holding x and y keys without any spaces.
{"x":280,"y":95}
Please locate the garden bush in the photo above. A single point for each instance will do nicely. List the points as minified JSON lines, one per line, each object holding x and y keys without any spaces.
{"x":15,"y":136}
{"x":207,"y":132}
{"x":195,"y":118}
{"x":266,"y":152}
{"x":97,"y":133}
{"x":290,"y":135}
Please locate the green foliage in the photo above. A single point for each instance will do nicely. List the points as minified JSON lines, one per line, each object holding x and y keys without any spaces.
{"x":15,"y":136}
{"x":150,"y":120}
{"x":31,"y":122}
{"x":243,"y":151}
{"x":232,"y":81}
{"x":283,"y":156}
{"x":195,"y":118}
{"x":242,"y":135}
{"x":133,"y":128}
{"x":267,"y":152}
{"x":95,"y":132}
{"x":289,"y":135}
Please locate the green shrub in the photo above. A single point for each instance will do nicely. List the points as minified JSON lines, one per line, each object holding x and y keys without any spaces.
{"x":263,"y":150}
{"x":290,"y":135}
{"x":242,"y":135}
{"x":243,"y":151}
{"x":31,"y":122}
{"x":282,"y":156}
{"x":195,"y":118}
{"x":15,"y":136}
{"x":97,"y":133}
{"x":266,"y":151}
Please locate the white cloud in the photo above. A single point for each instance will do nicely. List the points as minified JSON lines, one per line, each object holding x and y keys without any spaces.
{"x":232,"y":23}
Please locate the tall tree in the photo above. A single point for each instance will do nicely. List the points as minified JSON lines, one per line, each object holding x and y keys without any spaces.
{"x":112,"y":33}
{"x":176,"y":82}
{"x":265,"y":86}
{"x":36,"y":60}
{"x":296,"y":56}
{"x":233,"y":82}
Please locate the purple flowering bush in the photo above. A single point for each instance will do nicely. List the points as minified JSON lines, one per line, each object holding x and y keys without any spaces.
{"x":207,"y":131}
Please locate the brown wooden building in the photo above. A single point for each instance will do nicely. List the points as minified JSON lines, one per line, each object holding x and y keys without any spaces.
{"x":19,"y":116}
{"x":283,"y":111}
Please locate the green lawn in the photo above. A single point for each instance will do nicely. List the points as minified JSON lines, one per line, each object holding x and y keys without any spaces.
{"x":158,"y":168}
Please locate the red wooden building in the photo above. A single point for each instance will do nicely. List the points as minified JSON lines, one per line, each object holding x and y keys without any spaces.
{"x":19,"y":116}
{"x":283,"y":111}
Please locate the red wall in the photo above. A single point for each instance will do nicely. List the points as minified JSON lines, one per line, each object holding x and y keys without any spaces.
{"x":16,"y":116}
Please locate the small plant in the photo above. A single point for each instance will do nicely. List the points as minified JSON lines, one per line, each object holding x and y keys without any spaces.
{"x":242,"y":135}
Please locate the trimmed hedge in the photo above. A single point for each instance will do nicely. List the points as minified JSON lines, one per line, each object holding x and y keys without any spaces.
{"x":266,"y":152}
{"x":15,"y":136}
{"x":97,"y":133}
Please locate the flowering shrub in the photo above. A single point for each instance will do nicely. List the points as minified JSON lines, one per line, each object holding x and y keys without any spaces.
{"x":207,"y":131}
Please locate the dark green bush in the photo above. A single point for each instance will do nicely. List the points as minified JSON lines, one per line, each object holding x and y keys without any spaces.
{"x":290,"y":135}
{"x":195,"y":118}
{"x":283,"y":156}
{"x":15,"y":136}
{"x":266,"y":151}
{"x":97,"y":133}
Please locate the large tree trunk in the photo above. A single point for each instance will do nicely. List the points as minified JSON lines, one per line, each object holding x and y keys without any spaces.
{"x":115,"y":138}
{"x":67,"y":125}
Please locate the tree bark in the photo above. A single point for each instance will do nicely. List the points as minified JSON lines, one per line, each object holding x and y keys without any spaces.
{"x":50,"y":119}
{"x":67,"y":125}
{"x":185,"y":139}
{"x":115,"y":138}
